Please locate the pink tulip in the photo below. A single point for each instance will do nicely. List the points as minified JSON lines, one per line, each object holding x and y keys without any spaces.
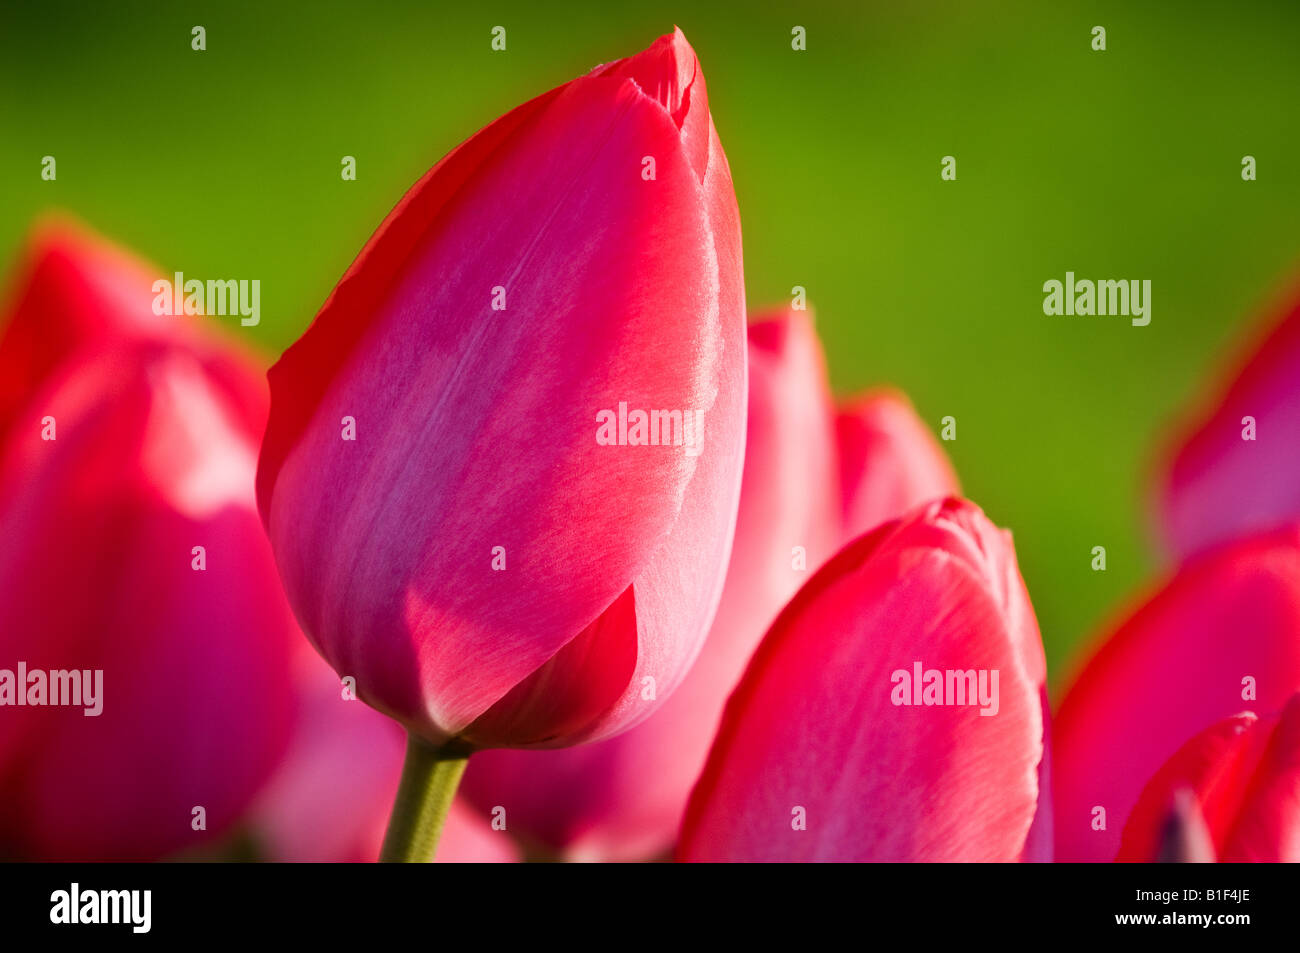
{"x":1219,"y":637}
{"x":828,"y":751}
{"x":126,"y":443}
{"x":149,"y":462}
{"x":1238,"y":470}
{"x":330,"y":797}
{"x":1242,"y":775}
{"x":622,"y":799}
{"x":542,"y":276}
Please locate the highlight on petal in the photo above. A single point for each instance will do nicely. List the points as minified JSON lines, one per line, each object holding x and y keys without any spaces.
{"x":530,"y":283}
{"x":1242,"y":779}
{"x":1236,"y":469}
{"x":1218,"y":637}
{"x":892,"y":713}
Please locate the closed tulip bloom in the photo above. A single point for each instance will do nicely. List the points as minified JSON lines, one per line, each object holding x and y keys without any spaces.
{"x":1242,"y":775}
{"x":1237,"y":469}
{"x":1218,"y":637}
{"x":892,"y":713}
{"x":473,"y":511}
{"x":622,"y":799}
{"x":137,"y":562}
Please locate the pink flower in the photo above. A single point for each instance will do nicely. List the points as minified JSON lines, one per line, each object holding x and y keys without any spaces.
{"x":1220,"y":636}
{"x":1238,"y":469}
{"x":1242,"y":778}
{"x":894,"y":711}
{"x":135,"y":559}
{"x":479,"y":558}
{"x":622,"y":799}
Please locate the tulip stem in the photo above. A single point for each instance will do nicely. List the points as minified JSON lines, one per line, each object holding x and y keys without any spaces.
{"x":429,"y":779}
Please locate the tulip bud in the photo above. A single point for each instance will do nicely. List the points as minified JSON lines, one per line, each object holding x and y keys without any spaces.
{"x":892,"y":713}
{"x":138,"y":564}
{"x":501,"y":471}
{"x":1237,"y":780}
{"x":138,"y":572}
{"x":1219,"y":636}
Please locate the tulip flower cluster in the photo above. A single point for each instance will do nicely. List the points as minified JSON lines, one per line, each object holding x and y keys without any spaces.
{"x":533,"y":502}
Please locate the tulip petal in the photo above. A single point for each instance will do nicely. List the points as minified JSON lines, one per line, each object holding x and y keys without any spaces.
{"x":196,"y":697}
{"x":1238,"y":471}
{"x":77,"y":291}
{"x":1222,"y":629}
{"x":1267,"y":829}
{"x":71,"y":289}
{"x":576,"y":686}
{"x":811,"y":733}
{"x":1243,"y":774}
{"x":889,"y":460}
{"x":1209,"y":762}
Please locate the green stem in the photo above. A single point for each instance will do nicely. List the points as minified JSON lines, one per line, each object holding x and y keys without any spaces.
{"x":429,"y":779}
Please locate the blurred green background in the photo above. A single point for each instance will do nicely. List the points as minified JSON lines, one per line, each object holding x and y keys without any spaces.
{"x":1117,"y":164}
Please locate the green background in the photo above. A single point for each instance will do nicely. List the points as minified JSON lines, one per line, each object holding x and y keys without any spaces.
{"x":1117,"y":164}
